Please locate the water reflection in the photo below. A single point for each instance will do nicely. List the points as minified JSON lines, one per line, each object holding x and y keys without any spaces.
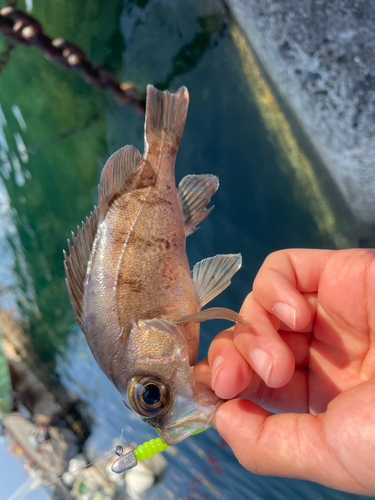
{"x":46,"y":190}
{"x":4,"y":147}
{"x":17,"y":113}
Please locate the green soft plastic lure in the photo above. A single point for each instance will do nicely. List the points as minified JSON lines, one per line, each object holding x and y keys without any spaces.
{"x":143,"y":451}
{"x":149,"y":449}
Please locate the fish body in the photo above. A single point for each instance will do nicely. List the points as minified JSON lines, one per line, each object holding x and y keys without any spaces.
{"x":130,"y":282}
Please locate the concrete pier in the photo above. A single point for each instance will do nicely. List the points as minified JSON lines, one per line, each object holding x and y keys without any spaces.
{"x":321,"y":57}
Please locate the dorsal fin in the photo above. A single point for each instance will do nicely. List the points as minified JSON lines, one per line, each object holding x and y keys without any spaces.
{"x":115,"y":173}
{"x":211,"y":276}
{"x":76,"y":262}
{"x":195,"y":192}
{"x":165,"y":115}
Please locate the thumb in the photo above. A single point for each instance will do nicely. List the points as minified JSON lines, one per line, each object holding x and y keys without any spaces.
{"x":288,"y":445}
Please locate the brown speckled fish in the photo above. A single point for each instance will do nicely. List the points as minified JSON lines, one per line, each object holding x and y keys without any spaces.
{"x":129,"y":278}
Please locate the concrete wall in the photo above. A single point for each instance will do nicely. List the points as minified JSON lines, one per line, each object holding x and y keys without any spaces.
{"x":321,"y":56}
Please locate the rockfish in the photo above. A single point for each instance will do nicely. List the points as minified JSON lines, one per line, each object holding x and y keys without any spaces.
{"x":129,"y":279}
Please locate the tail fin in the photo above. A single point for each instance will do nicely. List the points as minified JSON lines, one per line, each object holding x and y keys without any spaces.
{"x":166,"y":114}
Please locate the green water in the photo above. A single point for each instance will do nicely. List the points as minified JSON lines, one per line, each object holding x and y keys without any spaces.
{"x":46,"y":193}
{"x":5,"y":383}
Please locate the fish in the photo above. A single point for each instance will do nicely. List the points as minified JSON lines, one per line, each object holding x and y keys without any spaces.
{"x":129,"y":279}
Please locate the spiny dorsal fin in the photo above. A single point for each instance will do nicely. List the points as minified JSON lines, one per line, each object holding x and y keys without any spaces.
{"x":211,"y":276}
{"x":195,"y":192}
{"x":165,"y":115}
{"x":76,"y":263}
{"x":115,"y":173}
{"x":212,"y":313}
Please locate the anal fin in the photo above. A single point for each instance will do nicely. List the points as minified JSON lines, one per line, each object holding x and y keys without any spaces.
{"x":195,"y":192}
{"x":211,"y":276}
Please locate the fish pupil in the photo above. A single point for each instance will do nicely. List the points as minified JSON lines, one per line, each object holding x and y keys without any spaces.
{"x":151,"y":394}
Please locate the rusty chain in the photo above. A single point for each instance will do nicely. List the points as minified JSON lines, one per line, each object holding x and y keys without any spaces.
{"x":20,"y":28}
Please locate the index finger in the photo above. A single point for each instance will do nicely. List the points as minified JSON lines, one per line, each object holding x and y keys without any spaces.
{"x":282,"y":279}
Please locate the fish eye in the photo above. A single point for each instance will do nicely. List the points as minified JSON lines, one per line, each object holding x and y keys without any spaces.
{"x":148,"y":396}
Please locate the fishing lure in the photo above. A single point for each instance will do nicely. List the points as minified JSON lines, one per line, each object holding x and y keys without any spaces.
{"x":143,"y":451}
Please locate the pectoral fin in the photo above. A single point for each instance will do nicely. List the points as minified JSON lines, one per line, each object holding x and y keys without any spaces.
{"x":212,"y":313}
{"x":195,"y":192}
{"x":166,"y":326}
{"x":76,"y":263}
{"x":156,"y":331}
{"x":212,"y":276}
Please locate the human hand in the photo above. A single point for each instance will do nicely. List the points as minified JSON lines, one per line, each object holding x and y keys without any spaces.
{"x":317,"y":373}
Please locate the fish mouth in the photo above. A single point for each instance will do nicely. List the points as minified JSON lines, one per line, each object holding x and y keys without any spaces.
{"x":187,"y":418}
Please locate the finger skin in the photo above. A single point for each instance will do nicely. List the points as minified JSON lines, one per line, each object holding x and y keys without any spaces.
{"x":225,"y":371}
{"x":202,"y":373}
{"x":287,"y":445}
{"x":230,"y":371}
{"x":236,"y":378}
{"x":327,"y":371}
{"x":262,"y":336}
{"x":301,"y":267}
{"x":349,"y":425}
{"x":285,"y":275}
{"x":292,"y":397}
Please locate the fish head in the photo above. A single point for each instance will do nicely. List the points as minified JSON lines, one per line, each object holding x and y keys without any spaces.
{"x":159,"y":385}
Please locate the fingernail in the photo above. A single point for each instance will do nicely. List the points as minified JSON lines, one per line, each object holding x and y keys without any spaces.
{"x":217,"y":366}
{"x":286,"y":313}
{"x":262,"y":363}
